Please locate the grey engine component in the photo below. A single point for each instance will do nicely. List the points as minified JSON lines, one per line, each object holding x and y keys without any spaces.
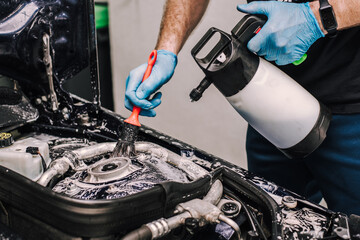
{"x":99,"y":176}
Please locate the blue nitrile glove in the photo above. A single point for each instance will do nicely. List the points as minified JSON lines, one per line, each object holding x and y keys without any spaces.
{"x":289,"y":32}
{"x":137,"y":92}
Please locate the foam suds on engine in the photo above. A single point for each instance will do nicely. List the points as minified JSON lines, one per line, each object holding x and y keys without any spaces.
{"x":144,"y":172}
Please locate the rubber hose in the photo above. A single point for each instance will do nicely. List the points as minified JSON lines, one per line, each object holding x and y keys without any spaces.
{"x":142,"y":233}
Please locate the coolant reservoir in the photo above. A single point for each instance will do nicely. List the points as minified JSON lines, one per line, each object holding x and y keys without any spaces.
{"x":30,"y":165}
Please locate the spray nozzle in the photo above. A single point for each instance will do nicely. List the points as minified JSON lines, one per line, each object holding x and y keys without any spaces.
{"x":197,"y":92}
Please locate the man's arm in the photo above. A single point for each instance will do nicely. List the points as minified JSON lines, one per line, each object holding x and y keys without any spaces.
{"x":179,"y":20}
{"x":347,"y":13}
{"x":292,"y":28}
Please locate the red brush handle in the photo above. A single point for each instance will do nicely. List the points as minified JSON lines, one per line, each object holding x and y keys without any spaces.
{"x":134,"y":117}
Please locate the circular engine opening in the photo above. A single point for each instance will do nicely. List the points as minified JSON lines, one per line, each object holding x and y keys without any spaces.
{"x":108,"y":170}
{"x":109,"y":167}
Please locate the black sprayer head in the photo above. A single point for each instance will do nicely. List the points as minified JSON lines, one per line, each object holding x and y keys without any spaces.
{"x":229,"y":65}
{"x":197,"y":92}
{"x":125,"y":146}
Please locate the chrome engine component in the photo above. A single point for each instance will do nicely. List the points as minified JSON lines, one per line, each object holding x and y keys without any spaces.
{"x":119,"y":177}
{"x":230,"y":208}
{"x":110,"y":170}
{"x":49,"y":71}
{"x":204,"y":210}
{"x":193,"y":170}
{"x":73,"y":159}
{"x":98,"y":176}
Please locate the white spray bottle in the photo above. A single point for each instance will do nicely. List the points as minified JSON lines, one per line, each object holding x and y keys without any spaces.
{"x":269,"y":100}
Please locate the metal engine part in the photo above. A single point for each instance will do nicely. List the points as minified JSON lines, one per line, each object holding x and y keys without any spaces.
{"x":204,"y":211}
{"x":119,"y":177}
{"x":110,"y":170}
{"x":99,"y":176}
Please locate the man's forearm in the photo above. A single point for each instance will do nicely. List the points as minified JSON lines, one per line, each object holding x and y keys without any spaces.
{"x":347,"y":13}
{"x":179,"y":20}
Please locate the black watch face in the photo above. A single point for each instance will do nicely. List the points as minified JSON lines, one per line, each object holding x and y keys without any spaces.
{"x":327,"y":18}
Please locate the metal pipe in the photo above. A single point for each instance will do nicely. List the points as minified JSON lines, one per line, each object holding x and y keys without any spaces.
{"x":215,"y":193}
{"x":71,"y":160}
{"x":49,"y":71}
{"x":58,"y":167}
{"x":94,"y":150}
{"x":192,"y":169}
{"x":162,"y":227}
{"x":232,"y":224}
{"x":200,"y":209}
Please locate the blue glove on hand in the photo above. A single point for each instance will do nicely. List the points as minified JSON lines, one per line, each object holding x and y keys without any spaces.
{"x":137,"y":92}
{"x":289,"y":32}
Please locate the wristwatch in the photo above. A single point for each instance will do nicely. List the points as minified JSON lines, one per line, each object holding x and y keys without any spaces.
{"x":328,"y":18}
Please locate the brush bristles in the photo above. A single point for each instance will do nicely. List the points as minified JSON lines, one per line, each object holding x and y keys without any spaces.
{"x":124,"y":149}
{"x":125,"y":145}
{"x":129,"y":132}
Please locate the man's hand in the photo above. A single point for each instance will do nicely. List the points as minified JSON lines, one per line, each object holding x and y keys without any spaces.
{"x":137,"y":92}
{"x":289,"y":32}
{"x":178,"y":21}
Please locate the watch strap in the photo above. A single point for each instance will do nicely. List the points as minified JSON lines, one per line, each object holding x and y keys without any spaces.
{"x":332,"y":32}
{"x":324,"y":3}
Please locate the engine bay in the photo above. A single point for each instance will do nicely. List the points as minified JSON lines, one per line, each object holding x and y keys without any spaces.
{"x":206,"y":198}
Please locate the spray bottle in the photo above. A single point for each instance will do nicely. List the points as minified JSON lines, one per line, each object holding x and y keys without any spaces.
{"x":269,"y":100}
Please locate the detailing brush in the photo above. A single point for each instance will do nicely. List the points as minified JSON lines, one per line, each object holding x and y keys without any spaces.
{"x":125,"y":145}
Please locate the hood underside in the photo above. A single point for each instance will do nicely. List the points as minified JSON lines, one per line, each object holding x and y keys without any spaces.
{"x":44,"y":43}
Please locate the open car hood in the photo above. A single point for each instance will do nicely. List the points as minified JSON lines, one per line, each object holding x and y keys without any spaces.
{"x":44,"y":43}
